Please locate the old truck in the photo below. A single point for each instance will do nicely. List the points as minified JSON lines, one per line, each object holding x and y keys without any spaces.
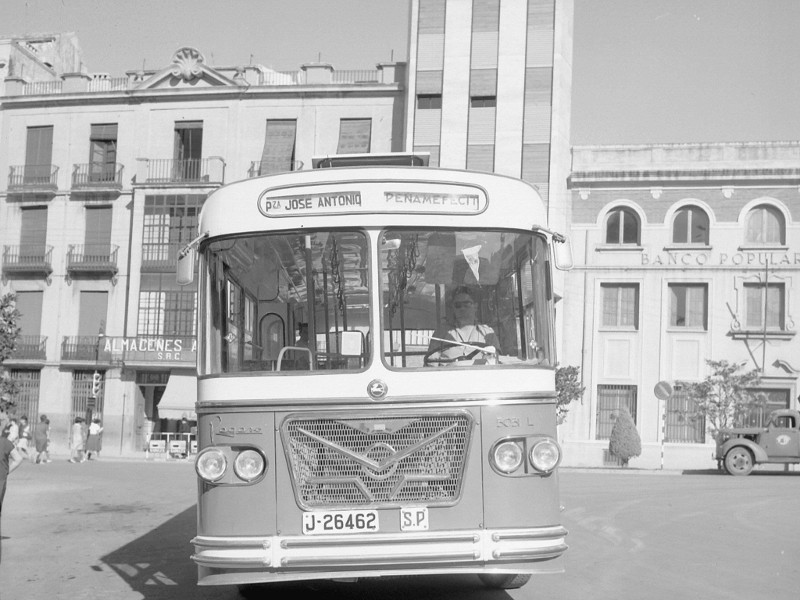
{"x":740,"y":449}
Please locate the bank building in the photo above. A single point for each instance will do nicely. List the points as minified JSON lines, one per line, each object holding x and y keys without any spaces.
{"x":682,"y":253}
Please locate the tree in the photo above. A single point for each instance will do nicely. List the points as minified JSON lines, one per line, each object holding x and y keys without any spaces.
{"x":9,"y":332}
{"x":624,"y":442}
{"x":568,"y":389}
{"x":723,"y":397}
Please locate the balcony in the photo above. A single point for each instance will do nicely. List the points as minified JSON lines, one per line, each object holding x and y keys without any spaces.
{"x":100,"y":179}
{"x":258,"y":168}
{"x":30,"y":347}
{"x":28,"y":259}
{"x":85,"y":349}
{"x":99,"y":259}
{"x":33,"y":180}
{"x":191,"y":171}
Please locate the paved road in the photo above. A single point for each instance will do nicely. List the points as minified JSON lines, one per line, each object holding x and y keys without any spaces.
{"x":120,"y":529}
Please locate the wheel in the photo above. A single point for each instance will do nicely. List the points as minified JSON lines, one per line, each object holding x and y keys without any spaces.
{"x":504,"y":581}
{"x":739,"y":461}
{"x":253,"y":591}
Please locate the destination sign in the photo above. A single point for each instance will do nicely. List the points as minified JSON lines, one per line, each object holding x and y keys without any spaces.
{"x":463,"y":200}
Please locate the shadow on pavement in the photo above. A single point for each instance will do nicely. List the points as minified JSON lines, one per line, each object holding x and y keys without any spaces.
{"x":158,"y":566}
{"x":773,"y":472}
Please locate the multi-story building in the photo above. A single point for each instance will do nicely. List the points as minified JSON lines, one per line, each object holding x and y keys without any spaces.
{"x":684,"y":253}
{"x":105,"y":178}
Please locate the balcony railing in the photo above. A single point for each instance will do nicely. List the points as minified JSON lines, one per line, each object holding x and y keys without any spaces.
{"x":86,"y":348}
{"x":204,"y":171}
{"x":30,"y":347}
{"x":28,"y":259}
{"x":258,"y":168}
{"x":92,"y":258}
{"x":33,"y":178}
{"x":99,"y":177}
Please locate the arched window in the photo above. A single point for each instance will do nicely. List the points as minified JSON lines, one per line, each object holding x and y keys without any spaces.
{"x":690,"y":226}
{"x":622,"y":227}
{"x":765,"y":226}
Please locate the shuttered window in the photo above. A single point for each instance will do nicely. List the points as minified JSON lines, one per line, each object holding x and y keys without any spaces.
{"x":278,"y":154}
{"x":354,"y":136}
{"x":98,"y":227}
{"x":29,"y":305}
{"x":34,"y":227}
{"x":429,"y":82}
{"x":39,"y":154}
{"x":103,"y":152}
{"x":431,"y":16}
{"x":480,"y":157}
{"x":93,"y":308}
{"x":483,"y":82}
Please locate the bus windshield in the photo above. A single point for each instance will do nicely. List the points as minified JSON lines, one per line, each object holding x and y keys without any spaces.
{"x":454,"y":298}
{"x":449,"y":298}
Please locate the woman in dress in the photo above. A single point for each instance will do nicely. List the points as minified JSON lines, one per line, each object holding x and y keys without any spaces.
{"x":41,"y":437}
{"x":77,"y":441}
{"x":94,"y":441}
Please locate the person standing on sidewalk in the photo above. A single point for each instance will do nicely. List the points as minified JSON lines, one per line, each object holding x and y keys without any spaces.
{"x":24,"y":441}
{"x":77,"y":441}
{"x":95,"y":440}
{"x":41,"y":437}
{"x":10,"y":459}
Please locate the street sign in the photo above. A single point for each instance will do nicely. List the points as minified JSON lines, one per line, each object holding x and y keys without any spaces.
{"x":663,"y":390}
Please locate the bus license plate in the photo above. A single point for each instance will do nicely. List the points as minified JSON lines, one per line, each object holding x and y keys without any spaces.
{"x":340,"y":521}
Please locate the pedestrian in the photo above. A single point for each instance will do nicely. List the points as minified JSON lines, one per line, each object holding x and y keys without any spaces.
{"x":24,"y":441}
{"x":41,"y":438}
{"x":77,"y":441}
{"x":10,"y":459}
{"x":95,"y":440}
{"x":12,"y":431}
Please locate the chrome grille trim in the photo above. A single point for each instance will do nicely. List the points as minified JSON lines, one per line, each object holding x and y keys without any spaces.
{"x":377,"y":460}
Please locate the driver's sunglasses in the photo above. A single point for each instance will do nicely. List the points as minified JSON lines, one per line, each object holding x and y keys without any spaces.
{"x":463,"y":304}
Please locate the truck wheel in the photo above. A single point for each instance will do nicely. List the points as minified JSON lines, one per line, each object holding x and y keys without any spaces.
{"x":501,"y":581}
{"x":739,"y":461}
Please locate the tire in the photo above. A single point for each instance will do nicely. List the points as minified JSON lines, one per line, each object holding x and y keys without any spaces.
{"x":253,"y":591}
{"x":504,"y":581}
{"x":739,"y":461}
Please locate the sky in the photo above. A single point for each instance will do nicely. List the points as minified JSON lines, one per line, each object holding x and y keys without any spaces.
{"x":644,"y":71}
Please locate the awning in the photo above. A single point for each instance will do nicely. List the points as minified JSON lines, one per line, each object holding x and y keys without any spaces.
{"x":179,"y":398}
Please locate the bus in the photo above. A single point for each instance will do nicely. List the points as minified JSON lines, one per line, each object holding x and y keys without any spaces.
{"x":376,"y":377}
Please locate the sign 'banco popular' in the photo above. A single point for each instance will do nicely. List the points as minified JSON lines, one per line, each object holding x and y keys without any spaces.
{"x":743,"y":259}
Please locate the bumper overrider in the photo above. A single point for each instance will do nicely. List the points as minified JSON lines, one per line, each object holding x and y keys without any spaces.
{"x":225,"y":560}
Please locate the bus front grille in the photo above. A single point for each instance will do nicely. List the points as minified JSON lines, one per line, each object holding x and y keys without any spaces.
{"x":377,"y":461}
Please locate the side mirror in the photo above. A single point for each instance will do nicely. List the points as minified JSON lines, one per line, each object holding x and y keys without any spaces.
{"x":562,"y":250}
{"x":185,"y":270}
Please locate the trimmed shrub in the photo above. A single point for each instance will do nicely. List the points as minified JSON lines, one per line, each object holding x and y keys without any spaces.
{"x":625,"y":442}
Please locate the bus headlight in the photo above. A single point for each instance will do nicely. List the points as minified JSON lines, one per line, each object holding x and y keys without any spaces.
{"x":211,"y":464}
{"x":249,"y":465}
{"x":507,"y":456}
{"x":545,"y":455}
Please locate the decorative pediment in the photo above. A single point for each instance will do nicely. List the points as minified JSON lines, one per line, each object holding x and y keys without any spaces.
{"x":188,"y":70}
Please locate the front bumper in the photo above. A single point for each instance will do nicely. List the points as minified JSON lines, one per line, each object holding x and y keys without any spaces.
{"x":237,"y":560}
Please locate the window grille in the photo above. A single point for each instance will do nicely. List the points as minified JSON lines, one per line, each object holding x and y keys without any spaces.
{"x":610,"y":399}
{"x":684,"y":423}
{"x":28,"y":397}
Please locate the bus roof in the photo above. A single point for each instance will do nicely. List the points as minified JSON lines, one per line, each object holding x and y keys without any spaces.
{"x":373,"y":197}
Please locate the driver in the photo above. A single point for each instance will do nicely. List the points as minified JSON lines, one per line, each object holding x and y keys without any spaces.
{"x":465,"y":331}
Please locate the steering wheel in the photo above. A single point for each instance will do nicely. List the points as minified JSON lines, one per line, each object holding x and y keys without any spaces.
{"x":435,"y":357}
